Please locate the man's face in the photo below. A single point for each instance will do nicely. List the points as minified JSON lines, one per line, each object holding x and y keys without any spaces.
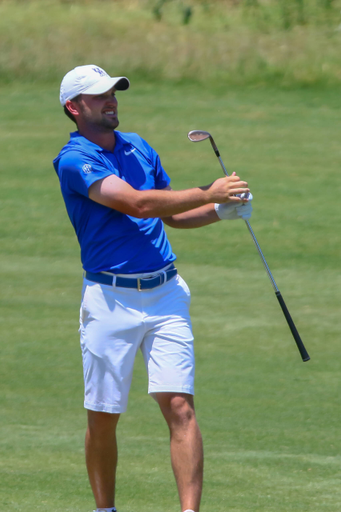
{"x":98,"y":111}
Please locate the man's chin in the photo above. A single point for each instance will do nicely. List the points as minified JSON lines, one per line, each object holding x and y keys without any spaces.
{"x":109,"y":125}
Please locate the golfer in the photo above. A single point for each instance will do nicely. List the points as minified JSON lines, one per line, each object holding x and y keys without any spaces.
{"x":118,"y":198}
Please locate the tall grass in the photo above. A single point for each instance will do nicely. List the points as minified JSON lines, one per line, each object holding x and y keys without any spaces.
{"x":284,"y":42}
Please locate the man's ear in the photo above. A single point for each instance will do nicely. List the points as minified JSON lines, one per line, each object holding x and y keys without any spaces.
{"x":72,"y":107}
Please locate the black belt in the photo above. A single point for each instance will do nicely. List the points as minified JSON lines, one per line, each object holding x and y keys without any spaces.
{"x":146,"y":283}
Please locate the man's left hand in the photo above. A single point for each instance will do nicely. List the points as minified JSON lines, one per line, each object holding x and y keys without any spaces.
{"x":233,"y":211}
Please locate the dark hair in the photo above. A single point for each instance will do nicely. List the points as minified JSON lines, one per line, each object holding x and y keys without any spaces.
{"x":67,"y":111}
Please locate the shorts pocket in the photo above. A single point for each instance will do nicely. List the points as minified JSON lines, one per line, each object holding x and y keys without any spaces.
{"x":185,"y":287}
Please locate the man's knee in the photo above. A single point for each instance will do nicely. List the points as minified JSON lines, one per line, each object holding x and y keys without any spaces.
{"x":177,"y":409}
{"x":100,"y":422}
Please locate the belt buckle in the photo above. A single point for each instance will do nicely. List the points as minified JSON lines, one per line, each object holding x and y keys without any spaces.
{"x":139,"y":289}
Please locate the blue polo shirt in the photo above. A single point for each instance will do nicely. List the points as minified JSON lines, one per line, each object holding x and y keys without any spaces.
{"x":110,"y":240}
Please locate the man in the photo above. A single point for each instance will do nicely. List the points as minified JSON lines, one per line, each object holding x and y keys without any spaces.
{"x":118,"y":196}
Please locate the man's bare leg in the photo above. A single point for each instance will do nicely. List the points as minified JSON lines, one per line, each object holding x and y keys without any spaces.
{"x":186,"y":447}
{"x":101,"y":456}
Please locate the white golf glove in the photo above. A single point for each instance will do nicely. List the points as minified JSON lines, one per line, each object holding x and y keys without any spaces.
{"x":234,"y":211}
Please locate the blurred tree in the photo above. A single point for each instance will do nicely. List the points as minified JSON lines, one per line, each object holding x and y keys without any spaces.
{"x":187,"y":14}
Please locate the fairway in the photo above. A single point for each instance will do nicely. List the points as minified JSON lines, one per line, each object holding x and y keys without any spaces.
{"x":270,"y":423}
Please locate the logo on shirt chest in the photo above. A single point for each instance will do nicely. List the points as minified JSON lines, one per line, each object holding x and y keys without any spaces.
{"x":129,"y":152}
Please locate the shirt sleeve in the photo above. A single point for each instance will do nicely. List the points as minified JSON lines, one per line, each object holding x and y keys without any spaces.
{"x":162,"y":180}
{"x":78,"y":171}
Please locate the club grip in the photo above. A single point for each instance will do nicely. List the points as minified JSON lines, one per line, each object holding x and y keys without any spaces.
{"x":297,"y":338}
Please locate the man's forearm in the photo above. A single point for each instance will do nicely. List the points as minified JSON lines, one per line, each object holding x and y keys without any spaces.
{"x":197,"y":218}
{"x":171,"y":203}
{"x":119,"y":195}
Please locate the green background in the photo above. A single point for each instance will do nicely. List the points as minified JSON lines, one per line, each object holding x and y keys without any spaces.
{"x":270,"y":422}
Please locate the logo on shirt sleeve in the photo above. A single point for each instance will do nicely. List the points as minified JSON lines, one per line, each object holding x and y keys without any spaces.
{"x":87,"y":168}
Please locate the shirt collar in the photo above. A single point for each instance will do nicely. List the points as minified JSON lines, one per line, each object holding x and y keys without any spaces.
{"x":78,"y":138}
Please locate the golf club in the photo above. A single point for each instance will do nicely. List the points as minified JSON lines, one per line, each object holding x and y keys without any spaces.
{"x":200,"y":135}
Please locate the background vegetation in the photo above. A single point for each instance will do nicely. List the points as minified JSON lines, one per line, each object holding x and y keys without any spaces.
{"x":263,"y":78}
{"x":282,"y":42}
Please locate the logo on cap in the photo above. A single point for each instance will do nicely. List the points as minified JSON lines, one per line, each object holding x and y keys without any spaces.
{"x":99,"y":71}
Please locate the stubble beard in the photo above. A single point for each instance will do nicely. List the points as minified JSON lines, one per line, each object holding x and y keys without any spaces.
{"x":105,"y":125}
{"x":101,"y":123}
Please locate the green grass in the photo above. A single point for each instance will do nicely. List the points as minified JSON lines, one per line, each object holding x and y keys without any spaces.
{"x":270,"y":423}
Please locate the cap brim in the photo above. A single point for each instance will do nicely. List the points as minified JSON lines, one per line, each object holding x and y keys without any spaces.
{"x":121,"y":83}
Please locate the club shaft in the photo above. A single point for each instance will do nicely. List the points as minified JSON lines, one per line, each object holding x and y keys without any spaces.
{"x":266,"y":266}
{"x":290,"y":322}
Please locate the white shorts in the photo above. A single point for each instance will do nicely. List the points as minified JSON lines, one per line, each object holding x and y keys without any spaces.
{"x":115,"y":322}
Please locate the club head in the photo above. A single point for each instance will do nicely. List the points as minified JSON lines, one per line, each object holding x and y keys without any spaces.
{"x":198,"y":135}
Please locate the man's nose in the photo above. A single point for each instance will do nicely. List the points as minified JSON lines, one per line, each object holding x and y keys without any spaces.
{"x":112,"y":101}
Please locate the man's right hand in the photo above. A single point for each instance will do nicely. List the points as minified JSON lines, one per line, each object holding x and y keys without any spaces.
{"x":225,"y":190}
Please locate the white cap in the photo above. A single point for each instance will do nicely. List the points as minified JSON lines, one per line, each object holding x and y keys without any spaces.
{"x":89,"y":79}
